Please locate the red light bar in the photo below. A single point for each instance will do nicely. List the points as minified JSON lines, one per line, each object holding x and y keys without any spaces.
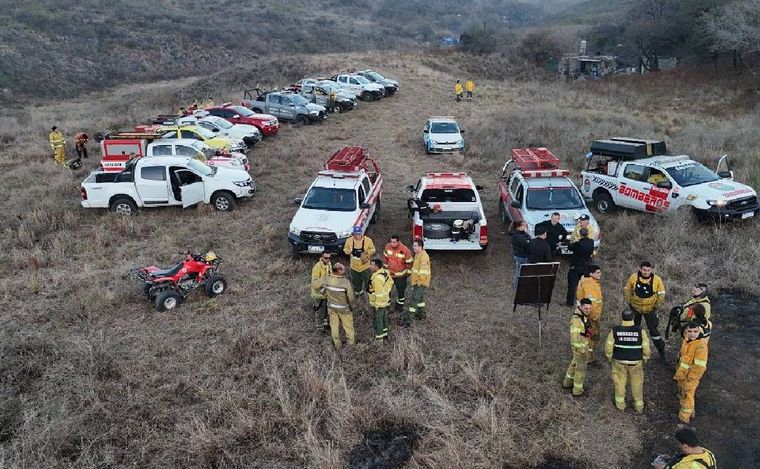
{"x":534,"y":159}
{"x":546,"y":174}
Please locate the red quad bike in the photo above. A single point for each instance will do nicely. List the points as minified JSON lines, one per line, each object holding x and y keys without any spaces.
{"x":167,"y":288}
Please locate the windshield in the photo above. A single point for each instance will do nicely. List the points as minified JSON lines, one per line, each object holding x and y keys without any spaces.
{"x":691,"y":173}
{"x":299,"y":100}
{"x":362,"y":80}
{"x":444,"y":128}
{"x":556,"y":198}
{"x":201,"y":168}
{"x":448,"y":195}
{"x":221,"y":123}
{"x":203,"y":132}
{"x":375,"y":75}
{"x":328,"y":198}
{"x":243,"y":111}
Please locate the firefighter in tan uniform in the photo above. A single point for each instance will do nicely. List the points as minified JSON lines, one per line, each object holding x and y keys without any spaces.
{"x":627,"y":349}
{"x":692,"y":364}
{"x":420,"y":280}
{"x":579,"y":335}
{"x":360,"y":249}
{"x":340,"y":297}
{"x":645,"y":293}
{"x":398,"y":260}
{"x":590,"y":287}
{"x":321,"y":269}
{"x":380,"y":287}
{"x":58,"y":144}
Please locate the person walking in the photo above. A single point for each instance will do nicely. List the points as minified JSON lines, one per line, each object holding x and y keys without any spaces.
{"x":692,"y":364}
{"x":58,"y":144}
{"x":360,"y":249}
{"x":80,"y":141}
{"x":380,"y":287}
{"x":645,"y":293}
{"x":581,"y":250}
{"x":340,"y":298}
{"x":627,"y":349}
{"x":319,"y":272}
{"x":398,"y":259}
{"x":590,"y":287}
{"x":555,"y":232}
{"x":538,"y":248}
{"x":691,"y":455}
{"x":458,"y":90}
{"x":579,"y":333}
{"x":470,"y":86}
{"x":518,"y":235}
{"x":420,"y":279}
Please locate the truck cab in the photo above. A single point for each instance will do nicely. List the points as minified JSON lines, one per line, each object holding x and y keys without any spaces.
{"x":287,"y":106}
{"x":364,"y":89}
{"x":317,"y":94}
{"x":345,"y":194}
{"x":532,"y":187}
{"x":447,"y":213}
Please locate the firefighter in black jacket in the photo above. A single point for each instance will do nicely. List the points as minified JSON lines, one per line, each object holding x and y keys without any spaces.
{"x":627,"y":349}
{"x":582,"y":251}
{"x":555,"y":232}
{"x":538,"y":249}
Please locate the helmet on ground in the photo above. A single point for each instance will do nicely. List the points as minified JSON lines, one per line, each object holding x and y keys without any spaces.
{"x":210,"y":256}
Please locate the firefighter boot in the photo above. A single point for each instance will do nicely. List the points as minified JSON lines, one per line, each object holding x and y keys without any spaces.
{"x":659,"y":343}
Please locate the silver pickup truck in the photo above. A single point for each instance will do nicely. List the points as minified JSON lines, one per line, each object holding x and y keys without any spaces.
{"x":319,"y":94}
{"x":286,"y":106}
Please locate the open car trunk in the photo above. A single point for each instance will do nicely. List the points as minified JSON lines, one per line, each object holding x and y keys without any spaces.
{"x":439,"y":232}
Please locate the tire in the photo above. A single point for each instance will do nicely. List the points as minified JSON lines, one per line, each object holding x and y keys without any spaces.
{"x":603,"y":203}
{"x":215,"y":285}
{"x":167,"y":300}
{"x":376,"y":215}
{"x":302,"y":120}
{"x":223,"y":201}
{"x":368,"y":97}
{"x":337,"y":109}
{"x":436,"y":231}
{"x":295,"y":253}
{"x":124,"y":206}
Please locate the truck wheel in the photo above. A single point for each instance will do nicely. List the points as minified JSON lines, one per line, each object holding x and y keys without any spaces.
{"x":168,"y":300}
{"x":223,"y":201}
{"x":603,"y":203}
{"x":124,"y":206}
{"x":295,"y":253}
{"x":337,"y":109}
{"x":367,"y":96}
{"x":302,"y":120}
{"x":215,"y":285}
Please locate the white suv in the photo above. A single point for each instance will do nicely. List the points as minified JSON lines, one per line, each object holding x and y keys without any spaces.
{"x":441,"y":135}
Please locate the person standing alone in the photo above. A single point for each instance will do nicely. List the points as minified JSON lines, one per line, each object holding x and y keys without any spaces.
{"x":58,"y":144}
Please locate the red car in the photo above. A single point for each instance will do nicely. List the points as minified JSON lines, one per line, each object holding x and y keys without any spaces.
{"x":266,"y":123}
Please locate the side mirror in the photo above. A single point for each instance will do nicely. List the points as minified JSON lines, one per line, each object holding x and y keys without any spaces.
{"x":516,"y":204}
{"x":215,"y":129}
{"x":461,"y":131}
{"x":726,"y":174}
{"x":218,"y":153}
{"x":291,"y":105}
{"x":410,"y":188}
{"x":674,"y":195}
{"x":664,"y":185}
{"x":424,"y":131}
{"x":479,"y":188}
{"x":297,"y":201}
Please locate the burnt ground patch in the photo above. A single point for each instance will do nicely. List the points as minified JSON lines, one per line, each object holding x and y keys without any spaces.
{"x":728,"y":398}
{"x":390,"y":445}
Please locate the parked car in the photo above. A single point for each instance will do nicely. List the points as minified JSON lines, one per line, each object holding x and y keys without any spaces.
{"x":364,"y":89}
{"x":287,"y":106}
{"x":249,"y":134}
{"x":391,"y":86}
{"x":442,"y":135}
{"x":267,"y":124}
{"x":319,"y":95}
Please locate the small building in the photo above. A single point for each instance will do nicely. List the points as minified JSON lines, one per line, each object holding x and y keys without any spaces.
{"x":574,"y":66}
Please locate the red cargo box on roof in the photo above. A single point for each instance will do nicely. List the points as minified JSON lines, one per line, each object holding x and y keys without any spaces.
{"x":534,"y":159}
{"x":350,"y":159}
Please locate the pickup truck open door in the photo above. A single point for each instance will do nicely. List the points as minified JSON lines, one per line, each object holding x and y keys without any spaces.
{"x":192,"y":194}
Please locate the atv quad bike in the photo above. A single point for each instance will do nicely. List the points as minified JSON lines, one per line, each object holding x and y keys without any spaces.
{"x":167,"y":288}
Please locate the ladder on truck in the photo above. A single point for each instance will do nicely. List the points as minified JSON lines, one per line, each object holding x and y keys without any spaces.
{"x":352,"y":159}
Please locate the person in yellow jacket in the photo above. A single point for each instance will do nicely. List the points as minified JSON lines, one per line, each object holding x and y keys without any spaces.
{"x":692,"y":364}
{"x":380,"y":287}
{"x":320,"y":270}
{"x":58,"y":144}
{"x":398,"y":259}
{"x":584,"y":221}
{"x":590,"y":287}
{"x":698,"y":296}
{"x":692,"y":455}
{"x":458,"y":90}
{"x":470,"y":87}
{"x":627,"y":349}
{"x":645,"y":293}
{"x":420,"y":280}
{"x":579,"y":335}
{"x":340,"y":298}
{"x":360,"y":249}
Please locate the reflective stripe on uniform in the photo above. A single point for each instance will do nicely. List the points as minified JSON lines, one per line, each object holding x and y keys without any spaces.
{"x":337,"y":306}
{"x":335,"y":288}
{"x":420,"y":305}
{"x":684,"y":366}
{"x":702,"y":363}
{"x":628,"y":346}
{"x":620,"y":400}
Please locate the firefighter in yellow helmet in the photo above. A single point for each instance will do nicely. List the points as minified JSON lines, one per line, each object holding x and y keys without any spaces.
{"x":360,"y":249}
{"x":691,"y":456}
{"x":458,"y":90}
{"x":627,"y":349}
{"x":420,"y":281}
{"x":321,"y":269}
{"x":340,"y":298}
{"x":58,"y":144}
{"x":645,"y":293}
{"x":470,"y":86}
{"x":590,"y":287}
{"x":380,"y":287}
{"x":692,"y":364}
{"x":579,"y":335}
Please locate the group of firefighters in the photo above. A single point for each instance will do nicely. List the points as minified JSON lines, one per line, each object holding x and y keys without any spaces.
{"x":459,"y":89}
{"x":336,"y":297}
{"x":58,"y":145}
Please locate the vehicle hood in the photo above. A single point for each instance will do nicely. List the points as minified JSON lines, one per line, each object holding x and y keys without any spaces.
{"x":264,"y":117}
{"x":243,"y":130}
{"x":389,"y":82}
{"x":723,"y":189}
{"x":235,"y":173}
{"x":322,"y":220}
{"x":374,"y":86}
{"x":219,"y":143}
{"x":446,"y":139}
{"x":315,"y":107}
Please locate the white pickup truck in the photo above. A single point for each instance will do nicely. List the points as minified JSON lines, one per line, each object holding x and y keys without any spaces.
{"x":345,"y":195}
{"x":364,"y":89}
{"x":162,"y":181}
{"x":636,"y":174}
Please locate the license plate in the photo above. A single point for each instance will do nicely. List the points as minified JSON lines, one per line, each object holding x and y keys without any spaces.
{"x":748,"y":215}
{"x":316,"y":248}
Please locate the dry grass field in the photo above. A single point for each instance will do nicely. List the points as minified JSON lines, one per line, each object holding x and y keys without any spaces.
{"x":92,"y":377}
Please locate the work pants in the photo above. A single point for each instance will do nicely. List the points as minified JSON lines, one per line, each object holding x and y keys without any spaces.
{"x":320,"y":313}
{"x":59,"y":154}
{"x":621,"y":373}
{"x":593,"y":338}
{"x":573,"y":277}
{"x":81,"y":151}
{"x":381,"y":322}
{"x":518,"y":262}
{"x":576,"y":372}
{"x":417,"y":307}
{"x":686,"y":391}
{"x":400,"y":283}
{"x":345,"y":318}
{"x":469,"y":96}
{"x":360,"y":280}
{"x":653,"y":324}
{"x":459,"y":97}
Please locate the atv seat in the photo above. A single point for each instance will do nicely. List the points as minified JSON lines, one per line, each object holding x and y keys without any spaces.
{"x":167,"y":272}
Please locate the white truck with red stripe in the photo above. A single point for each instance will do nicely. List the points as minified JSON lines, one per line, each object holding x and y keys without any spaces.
{"x":532,"y":187}
{"x":345,"y":194}
{"x":447,"y":213}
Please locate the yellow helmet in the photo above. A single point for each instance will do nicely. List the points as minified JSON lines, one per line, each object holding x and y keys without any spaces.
{"x":210,"y":256}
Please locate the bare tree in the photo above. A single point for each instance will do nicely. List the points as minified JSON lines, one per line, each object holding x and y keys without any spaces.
{"x":733,"y":29}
